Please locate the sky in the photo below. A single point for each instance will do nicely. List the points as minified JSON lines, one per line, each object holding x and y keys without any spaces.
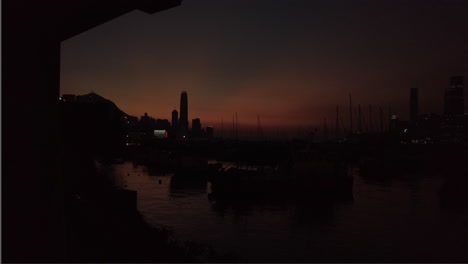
{"x":290,"y":63}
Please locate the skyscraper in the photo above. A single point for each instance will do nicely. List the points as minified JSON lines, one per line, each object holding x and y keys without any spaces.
{"x":196,"y":127}
{"x":183,"y":121}
{"x":175,"y":118}
{"x":453,"y":100}
{"x":414,"y":104}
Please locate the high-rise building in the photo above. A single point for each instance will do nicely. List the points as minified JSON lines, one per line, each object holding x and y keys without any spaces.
{"x":196,"y":127}
{"x":162,"y":124}
{"x":146,"y":124}
{"x":175,"y":118}
{"x":453,"y":100}
{"x":414,"y":104}
{"x":183,"y":121}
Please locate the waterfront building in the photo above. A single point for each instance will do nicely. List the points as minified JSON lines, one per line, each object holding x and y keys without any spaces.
{"x":175,"y":118}
{"x":453,"y":99}
{"x":196,"y":127}
{"x":183,"y":121}
{"x":162,"y":124}
{"x":414,"y":107}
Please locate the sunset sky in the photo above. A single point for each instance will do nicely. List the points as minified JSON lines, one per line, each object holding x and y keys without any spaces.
{"x":290,"y":62}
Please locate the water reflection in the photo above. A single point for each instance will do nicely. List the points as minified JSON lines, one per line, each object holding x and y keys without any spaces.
{"x":180,"y":184}
{"x":453,"y":193}
{"x":155,"y":171}
{"x":387,"y":219}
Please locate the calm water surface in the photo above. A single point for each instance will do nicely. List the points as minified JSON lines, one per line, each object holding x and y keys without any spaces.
{"x":386,"y":221}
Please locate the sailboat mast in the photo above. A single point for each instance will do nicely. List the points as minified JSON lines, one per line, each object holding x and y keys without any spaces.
{"x":325,"y":135}
{"x":337,"y":124}
{"x":381,"y":120}
{"x":389,"y":117}
{"x":222,"y":128}
{"x":359,"y":118}
{"x":259,"y":128}
{"x":350,"y":114}
{"x":237,"y":129}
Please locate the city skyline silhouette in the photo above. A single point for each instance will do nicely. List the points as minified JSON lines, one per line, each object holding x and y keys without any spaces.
{"x":289,"y":63}
{"x":170,"y":131}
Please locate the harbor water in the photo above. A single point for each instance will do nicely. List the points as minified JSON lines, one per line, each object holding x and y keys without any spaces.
{"x":400,"y":219}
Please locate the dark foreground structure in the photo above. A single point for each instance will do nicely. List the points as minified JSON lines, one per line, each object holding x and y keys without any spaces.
{"x":33,"y":203}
